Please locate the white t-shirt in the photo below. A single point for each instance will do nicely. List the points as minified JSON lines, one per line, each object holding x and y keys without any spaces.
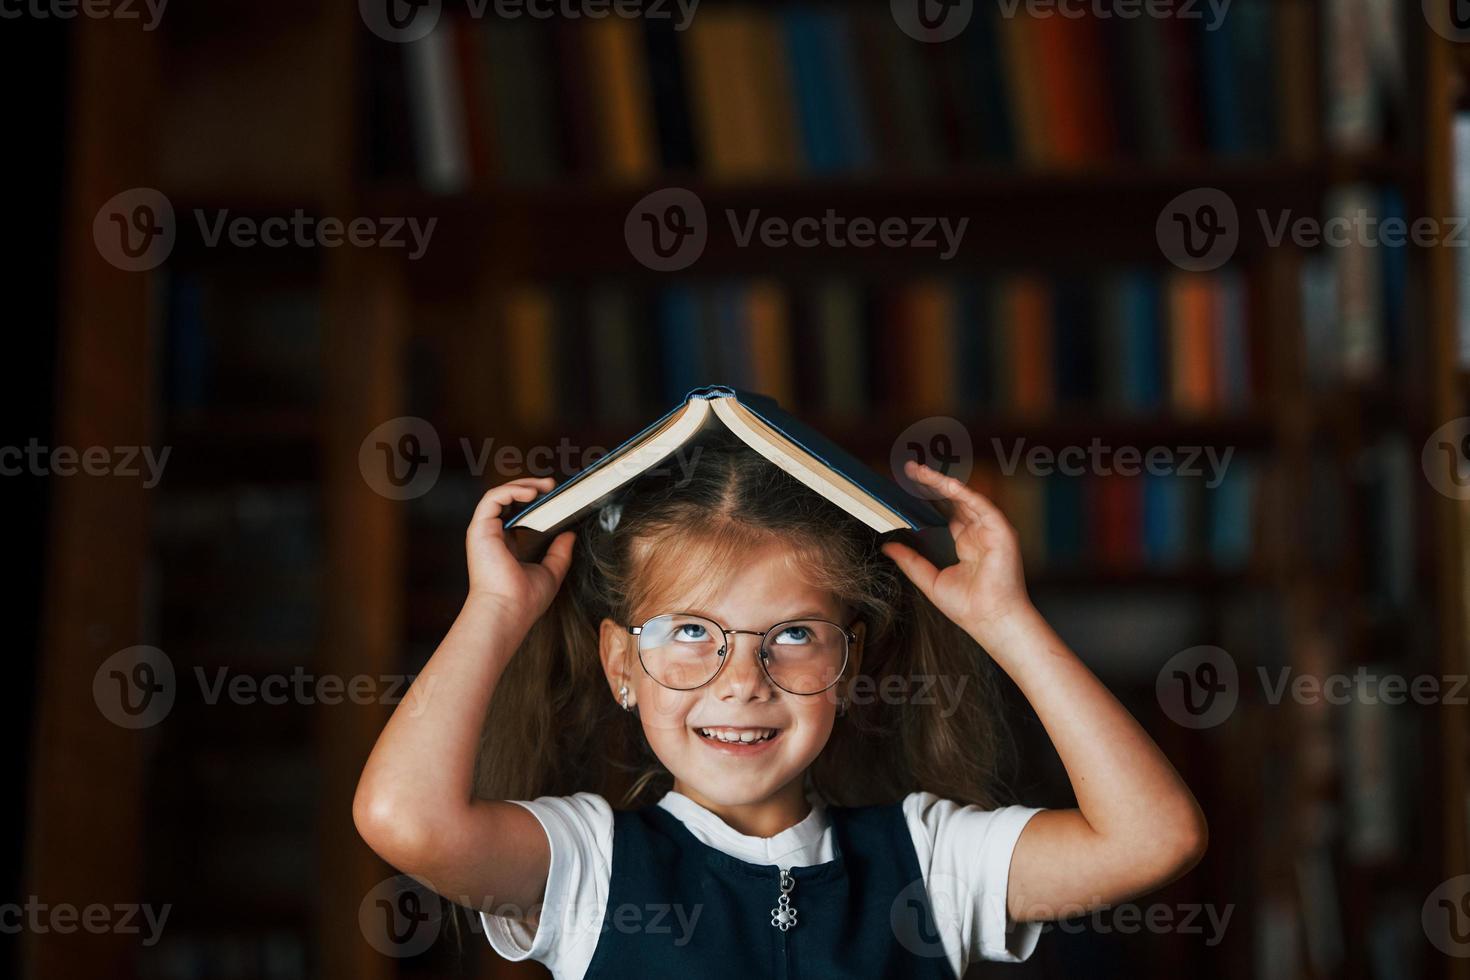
{"x":964,"y":853}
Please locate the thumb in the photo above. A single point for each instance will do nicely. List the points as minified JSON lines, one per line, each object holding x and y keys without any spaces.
{"x":558,"y":557}
{"x":920,"y":570}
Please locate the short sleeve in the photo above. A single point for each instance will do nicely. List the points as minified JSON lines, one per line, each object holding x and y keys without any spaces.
{"x":579,"y":831}
{"x":964,"y":853}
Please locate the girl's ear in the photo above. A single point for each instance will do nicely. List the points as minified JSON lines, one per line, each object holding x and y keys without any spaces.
{"x":612,"y":649}
{"x":855,"y":659}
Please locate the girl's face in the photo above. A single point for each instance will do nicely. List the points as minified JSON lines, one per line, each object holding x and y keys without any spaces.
{"x":763,"y":592}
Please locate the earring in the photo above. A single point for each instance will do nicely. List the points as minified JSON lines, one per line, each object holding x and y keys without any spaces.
{"x":841,"y":707}
{"x":623,"y":693}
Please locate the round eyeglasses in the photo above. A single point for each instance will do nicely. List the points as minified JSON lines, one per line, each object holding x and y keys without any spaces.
{"x":800,"y":656}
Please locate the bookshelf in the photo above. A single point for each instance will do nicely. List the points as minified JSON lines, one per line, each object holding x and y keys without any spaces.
{"x":318,"y":117}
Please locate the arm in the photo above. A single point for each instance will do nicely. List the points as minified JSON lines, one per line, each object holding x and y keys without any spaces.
{"x":414,"y":804}
{"x":1136,"y":825}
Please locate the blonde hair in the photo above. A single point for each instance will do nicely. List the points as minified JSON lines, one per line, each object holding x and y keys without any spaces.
{"x":554,"y":728}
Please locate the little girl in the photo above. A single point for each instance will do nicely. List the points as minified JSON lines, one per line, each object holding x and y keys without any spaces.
{"x":801,"y":730}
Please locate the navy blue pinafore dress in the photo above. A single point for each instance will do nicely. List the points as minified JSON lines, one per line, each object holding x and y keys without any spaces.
{"x":679,"y":908}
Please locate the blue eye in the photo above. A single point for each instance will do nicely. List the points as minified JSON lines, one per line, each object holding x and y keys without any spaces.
{"x":797,"y":634}
{"x":700,"y":632}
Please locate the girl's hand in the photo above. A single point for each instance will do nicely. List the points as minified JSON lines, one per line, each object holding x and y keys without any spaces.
{"x":523,"y":589}
{"x":987,"y":587}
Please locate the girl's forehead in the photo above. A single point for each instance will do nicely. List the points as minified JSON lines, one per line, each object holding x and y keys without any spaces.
{"x":715,"y":576}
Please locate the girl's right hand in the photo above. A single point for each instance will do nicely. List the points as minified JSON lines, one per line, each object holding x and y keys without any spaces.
{"x":522,"y":589}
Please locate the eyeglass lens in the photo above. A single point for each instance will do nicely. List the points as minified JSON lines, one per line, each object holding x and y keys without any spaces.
{"x":801,"y":656}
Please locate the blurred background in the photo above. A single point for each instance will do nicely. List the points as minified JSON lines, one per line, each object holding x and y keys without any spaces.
{"x":1137,"y":280}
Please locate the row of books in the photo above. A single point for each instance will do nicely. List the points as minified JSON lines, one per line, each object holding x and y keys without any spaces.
{"x":1355,"y":302}
{"x":750,"y":91}
{"x":1014,"y":345}
{"x":1199,"y":516}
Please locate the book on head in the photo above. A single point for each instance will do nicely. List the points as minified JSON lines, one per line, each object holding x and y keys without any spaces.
{"x":758,"y":421}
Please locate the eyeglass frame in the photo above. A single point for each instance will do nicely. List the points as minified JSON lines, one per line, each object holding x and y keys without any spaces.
{"x":848,"y":638}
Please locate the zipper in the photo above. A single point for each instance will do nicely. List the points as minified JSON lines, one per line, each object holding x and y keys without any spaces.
{"x":783,"y":917}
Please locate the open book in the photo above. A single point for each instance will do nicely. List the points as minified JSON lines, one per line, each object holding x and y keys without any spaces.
{"x":760,"y":423}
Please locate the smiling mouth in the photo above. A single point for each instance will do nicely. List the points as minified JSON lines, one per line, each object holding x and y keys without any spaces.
{"x":738,"y":736}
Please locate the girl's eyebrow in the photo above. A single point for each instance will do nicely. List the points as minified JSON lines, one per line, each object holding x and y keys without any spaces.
{"x":818,"y":614}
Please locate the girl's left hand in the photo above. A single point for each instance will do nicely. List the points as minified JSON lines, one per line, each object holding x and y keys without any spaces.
{"x":987,"y":587}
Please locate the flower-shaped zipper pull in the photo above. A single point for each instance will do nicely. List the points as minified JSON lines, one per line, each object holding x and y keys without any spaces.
{"x":783,"y":916}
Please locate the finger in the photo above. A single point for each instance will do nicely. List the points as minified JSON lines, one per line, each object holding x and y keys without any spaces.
{"x":558,"y":557}
{"x":920,"y":570}
{"x":965,"y":498}
{"x":495,"y":499}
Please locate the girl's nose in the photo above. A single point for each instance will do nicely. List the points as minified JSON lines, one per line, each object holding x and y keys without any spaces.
{"x":742,"y":675}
